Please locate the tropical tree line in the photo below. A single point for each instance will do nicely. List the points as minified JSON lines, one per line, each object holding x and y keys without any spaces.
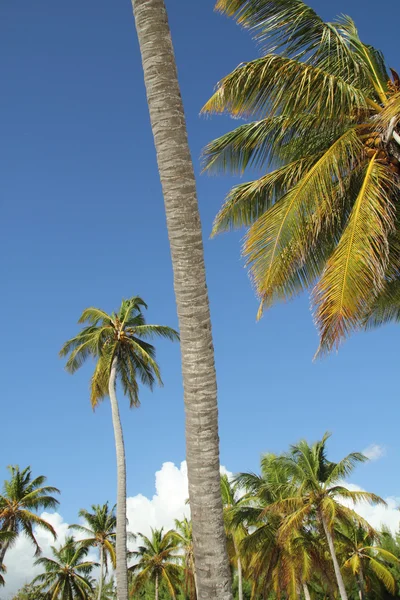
{"x":292,"y":532}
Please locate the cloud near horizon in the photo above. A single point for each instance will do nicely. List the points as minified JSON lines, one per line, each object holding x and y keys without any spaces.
{"x":374,"y":452}
{"x":167,"y":504}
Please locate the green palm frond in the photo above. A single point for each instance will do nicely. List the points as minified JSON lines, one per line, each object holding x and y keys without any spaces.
{"x":276,"y":84}
{"x":248,"y":201}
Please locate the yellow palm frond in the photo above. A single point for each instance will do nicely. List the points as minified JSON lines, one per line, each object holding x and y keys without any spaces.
{"x":355,"y":272}
{"x":286,"y":225}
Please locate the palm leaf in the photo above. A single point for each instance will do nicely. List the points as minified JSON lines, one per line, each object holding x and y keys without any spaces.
{"x":355,"y":272}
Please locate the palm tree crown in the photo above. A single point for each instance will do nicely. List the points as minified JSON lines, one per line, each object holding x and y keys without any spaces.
{"x":67,"y":575}
{"x":99,"y":530}
{"x":120,"y":335}
{"x":324,"y":210}
{"x":157,"y":561}
{"x":22,"y":497}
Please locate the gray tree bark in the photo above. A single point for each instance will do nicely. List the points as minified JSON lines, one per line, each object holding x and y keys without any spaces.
{"x":156,"y":587}
{"x":185,"y":236}
{"x":121,"y":571}
{"x":101,"y":572}
{"x":306,"y":592}
{"x":339,"y":578}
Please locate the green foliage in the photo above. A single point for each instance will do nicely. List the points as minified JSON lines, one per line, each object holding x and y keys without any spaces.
{"x":122,"y":335}
{"x":99,"y":530}
{"x":157,"y":561}
{"x":22,"y":497}
{"x":66,"y":576}
{"x":322,"y":215}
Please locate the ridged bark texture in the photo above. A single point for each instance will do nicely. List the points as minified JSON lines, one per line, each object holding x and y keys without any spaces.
{"x":121,"y":571}
{"x":185,"y":236}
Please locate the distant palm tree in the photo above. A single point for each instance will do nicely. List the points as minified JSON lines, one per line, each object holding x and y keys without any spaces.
{"x":9,"y":537}
{"x":67,"y":575}
{"x":324,"y":132}
{"x":365,"y":558}
{"x":100,"y":533}
{"x":157,"y":562}
{"x":313,"y":492}
{"x":22,"y":497}
{"x":184,"y":535}
{"x":118,"y":343}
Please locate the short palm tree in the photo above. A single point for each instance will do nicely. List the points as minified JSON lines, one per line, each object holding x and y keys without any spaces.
{"x":313,"y":493}
{"x":365,"y":558}
{"x":67,"y":575}
{"x":117,"y":342}
{"x":157,"y":562}
{"x":22,"y":497}
{"x":184,"y":534}
{"x":323,"y":212}
{"x":99,"y":532}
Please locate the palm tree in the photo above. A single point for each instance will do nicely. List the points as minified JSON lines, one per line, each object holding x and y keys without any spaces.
{"x":365,"y":558}
{"x":118,"y":343}
{"x":22,"y":497}
{"x":326,"y":114}
{"x":157,"y":562}
{"x":184,"y":535}
{"x":274,"y":564}
{"x":99,"y":531}
{"x":9,"y":537}
{"x":67,"y":575}
{"x":313,"y":493}
{"x":184,"y":230}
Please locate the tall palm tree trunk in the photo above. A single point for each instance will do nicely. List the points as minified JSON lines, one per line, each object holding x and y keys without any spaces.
{"x":339,"y":578}
{"x":156,"y":588}
{"x":185,"y":236}
{"x":239,"y":570}
{"x":101,"y":572}
{"x":306,"y":591}
{"x":361,"y":583}
{"x":121,"y":570}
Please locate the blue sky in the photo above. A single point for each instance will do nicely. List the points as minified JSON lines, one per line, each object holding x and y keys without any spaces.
{"x":83,"y":224}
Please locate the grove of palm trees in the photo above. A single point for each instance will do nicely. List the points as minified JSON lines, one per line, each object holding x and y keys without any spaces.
{"x":318,"y":147}
{"x":292,"y":531}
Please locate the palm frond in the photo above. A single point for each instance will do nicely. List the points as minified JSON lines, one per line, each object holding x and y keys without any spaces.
{"x":354,"y":274}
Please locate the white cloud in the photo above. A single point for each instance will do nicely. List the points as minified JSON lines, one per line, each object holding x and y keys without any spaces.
{"x":374,"y":452}
{"x":167,"y":504}
{"x":378,"y":515}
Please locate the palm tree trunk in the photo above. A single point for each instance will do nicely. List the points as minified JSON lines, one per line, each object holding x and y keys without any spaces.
{"x":156,"y":586}
{"x":339,"y":578}
{"x":185,"y":236}
{"x":101,"y":572}
{"x":239,"y":570}
{"x":121,"y":571}
{"x":361,"y":584}
{"x":306,"y":592}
